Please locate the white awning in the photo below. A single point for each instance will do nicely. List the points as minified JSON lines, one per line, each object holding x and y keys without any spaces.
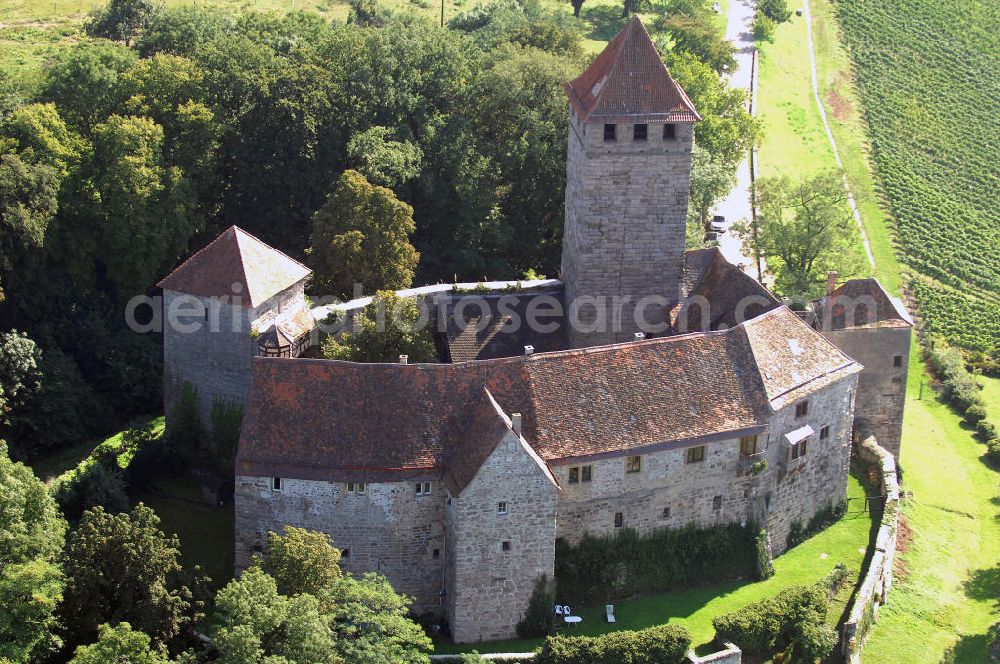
{"x":800,"y":434}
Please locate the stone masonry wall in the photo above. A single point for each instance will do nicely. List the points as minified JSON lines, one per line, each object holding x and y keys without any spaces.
{"x":626,"y":214}
{"x":788,"y":491}
{"x":214,"y":355}
{"x":489,"y":588}
{"x":882,"y":386}
{"x":388,"y":529}
{"x":799,"y":488}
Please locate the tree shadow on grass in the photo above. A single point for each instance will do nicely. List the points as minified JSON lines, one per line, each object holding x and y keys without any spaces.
{"x":984,"y":585}
{"x":969,"y":649}
{"x":605,"y":21}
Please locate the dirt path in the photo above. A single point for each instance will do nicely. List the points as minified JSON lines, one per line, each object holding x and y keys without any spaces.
{"x":829,"y":133}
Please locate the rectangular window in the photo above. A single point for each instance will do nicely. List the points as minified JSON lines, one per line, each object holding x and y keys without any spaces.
{"x":748,"y":446}
{"x":586,"y":472}
{"x":436,"y":553}
{"x":574,"y":475}
{"x":799,"y":450}
{"x":633,"y":464}
{"x":802,"y":409}
{"x":639,"y":132}
{"x":609,"y":132}
{"x":345,"y":553}
{"x":666,"y":513}
{"x":356,"y":487}
{"x":502,"y":507}
{"x":717,"y":503}
{"x":275,"y":484}
{"x":695,"y":454}
{"x":669,"y":132}
{"x":824,"y":433}
{"x":505,"y":545}
{"x":423,"y":488}
{"x":619,"y":519}
{"x":897,"y":361}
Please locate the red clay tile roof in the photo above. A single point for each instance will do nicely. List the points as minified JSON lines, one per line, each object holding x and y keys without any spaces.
{"x":340,"y":421}
{"x":257,"y":270}
{"x":628,"y":82}
{"x":790,"y":354}
{"x":860,"y":303}
{"x":731,"y":295}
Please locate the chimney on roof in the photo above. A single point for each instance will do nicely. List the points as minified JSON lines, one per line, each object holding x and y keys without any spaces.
{"x":404,"y":359}
{"x":639,"y":336}
{"x":515,"y":423}
{"x":831,"y":282}
{"x":529,"y":350}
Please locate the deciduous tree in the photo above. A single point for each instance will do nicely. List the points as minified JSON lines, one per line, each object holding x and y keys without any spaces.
{"x":711,"y":180}
{"x":361,"y":235}
{"x":31,"y":583}
{"x":121,"y":20}
{"x":388,"y":327}
{"x":121,"y":644}
{"x":302,"y":561}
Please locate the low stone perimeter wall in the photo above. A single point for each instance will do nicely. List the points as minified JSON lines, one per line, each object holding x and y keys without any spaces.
{"x":508,"y":657}
{"x":731,"y":655}
{"x":878,"y":580}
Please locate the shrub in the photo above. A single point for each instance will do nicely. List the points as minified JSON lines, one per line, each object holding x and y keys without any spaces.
{"x":664,"y":644}
{"x":98,"y":483}
{"x":993,"y":643}
{"x":792,"y":618}
{"x":185,"y":430}
{"x":776,"y":10}
{"x":227,"y":418}
{"x":763,"y":29}
{"x":975,"y":413}
{"x":626,"y":564}
{"x":993,"y":451}
{"x":539,"y":616}
{"x":986,"y":430}
{"x":765,"y":566}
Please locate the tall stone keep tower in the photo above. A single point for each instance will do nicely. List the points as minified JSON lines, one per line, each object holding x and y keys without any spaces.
{"x":628,"y":172}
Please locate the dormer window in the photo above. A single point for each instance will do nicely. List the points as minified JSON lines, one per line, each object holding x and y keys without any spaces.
{"x":609,"y":132}
{"x":639,"y":132}
{"x":669,"y":132}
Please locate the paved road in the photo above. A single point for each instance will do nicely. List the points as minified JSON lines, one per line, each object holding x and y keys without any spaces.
{"x":736,"y":205}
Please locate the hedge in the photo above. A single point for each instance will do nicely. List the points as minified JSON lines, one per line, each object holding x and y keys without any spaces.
{"x":961,"y":390}
{"x":663,"y":644}
{"x":794,"y":618}
{"x":627,"y":564}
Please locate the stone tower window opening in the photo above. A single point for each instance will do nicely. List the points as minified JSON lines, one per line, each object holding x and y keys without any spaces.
{"x":505,"y":546}
{"x":897,"y":361}
{"x":717,"y":503}
{"x":609,"y":133}
{"x":619,"y":519}
{"x":666,"y":513}
{"x":639,"y":132}
{"x":669,"y":132}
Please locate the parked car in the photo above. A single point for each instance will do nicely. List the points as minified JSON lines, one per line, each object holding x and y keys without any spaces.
{"x":718,"y":224}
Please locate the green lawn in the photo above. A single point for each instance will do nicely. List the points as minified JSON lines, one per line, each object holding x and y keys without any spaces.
{"x":205,"y":531}
{"x":64,"y":461}
{"x":948,"y":596}
{"x":695,"y":608}
{"x":991,"y":392}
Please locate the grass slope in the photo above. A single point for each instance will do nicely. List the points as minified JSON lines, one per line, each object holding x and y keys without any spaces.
{"x":694,"y":608}
{"x":949,"y":587}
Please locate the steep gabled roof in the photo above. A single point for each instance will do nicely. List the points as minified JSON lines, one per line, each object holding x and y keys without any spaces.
{"x":860,"y":303}
{"x":485,"y":429}
{"x":628,"y":82}
{"x":236,"y":264}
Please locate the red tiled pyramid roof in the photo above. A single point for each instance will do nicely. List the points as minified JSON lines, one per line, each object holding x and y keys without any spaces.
{"x":628,"y":82}
{"x":236,"y":264}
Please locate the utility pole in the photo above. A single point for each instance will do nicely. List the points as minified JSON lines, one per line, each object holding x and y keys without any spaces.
{"x":442,"y":13}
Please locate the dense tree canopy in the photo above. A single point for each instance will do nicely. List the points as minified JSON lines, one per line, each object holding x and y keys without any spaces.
{"x":31,"y":537}
{"x":120,"y":643}
{"x":388,"y":327}
{"x":123,"y":568}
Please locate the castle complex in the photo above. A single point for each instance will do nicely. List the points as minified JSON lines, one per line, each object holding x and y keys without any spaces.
{"x":659,"y":384}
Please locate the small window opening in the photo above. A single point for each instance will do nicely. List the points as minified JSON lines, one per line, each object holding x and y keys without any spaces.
{"x":802,"y":409}
{"x":669,"y":132}
{"x":619,"y":519}
{"x":502,"y":507}
{"x":639,"y":132}
{"x":897,"y":361}
{"x":276,"y":484}
{"x":505,"y":545}
{"x":609,"y":132}
{"x":717,"y":503}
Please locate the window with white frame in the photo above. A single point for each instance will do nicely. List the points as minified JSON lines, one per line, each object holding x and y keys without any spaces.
{"x":502,"y":507}
{"x":356,"y":487}
{"x":275,"y":484}
{"x":423,"y":488}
